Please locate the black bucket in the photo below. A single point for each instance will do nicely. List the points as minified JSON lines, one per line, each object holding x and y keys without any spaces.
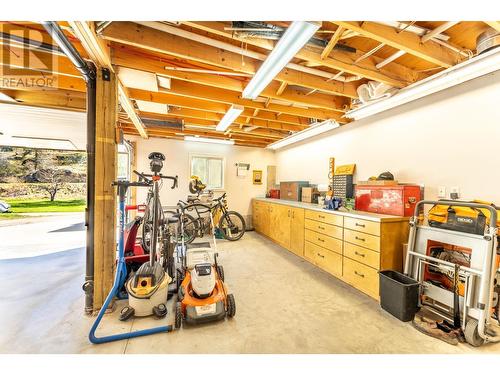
{"x":399,"y":294}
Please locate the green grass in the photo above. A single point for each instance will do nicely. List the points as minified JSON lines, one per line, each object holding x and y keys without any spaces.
{"x":28,"y":205}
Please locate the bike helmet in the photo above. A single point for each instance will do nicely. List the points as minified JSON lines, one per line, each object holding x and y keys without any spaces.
{"x":195,"y":185}
{"x":386,"y":176}
{"x":156,"y":163}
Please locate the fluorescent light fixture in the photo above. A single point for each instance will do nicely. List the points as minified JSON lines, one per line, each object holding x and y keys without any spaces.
{"x":138,"y":79}
{"x":294,"y":38}
{"x":311,"y":131}
{"x":209,"y":140}
{"x":152,"y":107}
{"x":478,"y":66}
{"x":6,"y":98}
{"x":231,"y":115}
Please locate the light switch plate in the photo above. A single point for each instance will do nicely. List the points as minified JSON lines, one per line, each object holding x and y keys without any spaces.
{"x":442,"y":192}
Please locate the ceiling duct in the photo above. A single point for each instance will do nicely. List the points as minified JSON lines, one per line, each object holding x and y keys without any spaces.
{"x":487,"y":40}
{"x":177,"y":125}
{"x":252,"y":29}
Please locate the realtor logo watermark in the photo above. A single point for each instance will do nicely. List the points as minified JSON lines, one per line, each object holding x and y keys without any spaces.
{"x":28,"y":58}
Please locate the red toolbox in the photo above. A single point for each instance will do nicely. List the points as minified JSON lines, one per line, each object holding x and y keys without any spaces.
{"x":399,"y":200}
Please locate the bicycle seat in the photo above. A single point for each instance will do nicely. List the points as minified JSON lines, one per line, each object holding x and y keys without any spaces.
{"x":172,"y":219}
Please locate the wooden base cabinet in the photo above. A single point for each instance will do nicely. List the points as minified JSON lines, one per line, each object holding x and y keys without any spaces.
{"x":283,"y":224}
{"x":351,"y":246}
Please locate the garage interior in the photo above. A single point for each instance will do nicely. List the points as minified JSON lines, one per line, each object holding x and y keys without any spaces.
{"x":333,"y":141}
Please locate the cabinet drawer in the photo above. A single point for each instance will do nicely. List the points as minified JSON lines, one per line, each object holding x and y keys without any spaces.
{"x":369,"y":257}
{"x":326,"y":229}
{"x":329,"y":243}
{"x":361,"y":277}
{"x":325,"y":259}
{"x":326,"y":218}
{"x":362,"y":239}
{"x":365,"y":226}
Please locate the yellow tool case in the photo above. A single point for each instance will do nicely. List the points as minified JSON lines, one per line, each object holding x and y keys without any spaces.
{"x":459,"y":218}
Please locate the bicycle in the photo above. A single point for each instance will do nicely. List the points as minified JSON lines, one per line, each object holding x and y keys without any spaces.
{"x":231,"y":224}
{"x":155,"y":225}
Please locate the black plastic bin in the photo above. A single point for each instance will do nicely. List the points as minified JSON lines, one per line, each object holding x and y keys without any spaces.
{"x":399,"y":294}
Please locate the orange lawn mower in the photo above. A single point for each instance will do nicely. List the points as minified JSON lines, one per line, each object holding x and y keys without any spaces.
{"x":201,"y":293}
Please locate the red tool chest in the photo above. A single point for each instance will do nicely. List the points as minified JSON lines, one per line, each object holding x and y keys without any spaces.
{"x":396,"y":200}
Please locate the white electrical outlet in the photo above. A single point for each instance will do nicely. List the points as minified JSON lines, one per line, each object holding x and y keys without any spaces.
{"x":454,"y":192}
{"x":442,"y":192}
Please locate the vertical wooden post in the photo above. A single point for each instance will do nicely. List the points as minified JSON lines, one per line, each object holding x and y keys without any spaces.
{"x":105,"y":197}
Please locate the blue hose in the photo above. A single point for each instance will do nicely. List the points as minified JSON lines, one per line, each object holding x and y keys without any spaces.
{"x":121,"y":274}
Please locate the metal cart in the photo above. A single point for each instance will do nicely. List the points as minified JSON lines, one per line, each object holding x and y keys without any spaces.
{"x":478,"y":279}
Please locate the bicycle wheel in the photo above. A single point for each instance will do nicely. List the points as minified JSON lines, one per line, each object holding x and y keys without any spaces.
{"x":232,"y":226}
{"x":191,"y":228}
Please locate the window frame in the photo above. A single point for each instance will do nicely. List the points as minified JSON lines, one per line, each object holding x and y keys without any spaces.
{"x":209,"y":156}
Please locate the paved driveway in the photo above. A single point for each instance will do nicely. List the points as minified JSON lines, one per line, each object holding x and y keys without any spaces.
{"x":35,"y":236}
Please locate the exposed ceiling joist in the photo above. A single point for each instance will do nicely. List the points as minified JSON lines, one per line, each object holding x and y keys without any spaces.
{"x":332,"y":42}
{"x":395,"y":75}
{"x":404,"y":41}
{"x":161,"y":42}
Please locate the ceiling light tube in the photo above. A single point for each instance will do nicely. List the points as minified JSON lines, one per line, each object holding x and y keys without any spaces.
{"x":231,"y":115}
{"x":294,"y":38}
{"x":209,"y":140}
{"x":478,"y":66}
{"x":311,"y":131}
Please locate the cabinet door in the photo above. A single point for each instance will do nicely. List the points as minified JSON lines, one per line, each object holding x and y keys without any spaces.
{"x":297,"y":231}
{"x":264,"y":216}
{"x":256,"y":216}
{"x":280,"y":224}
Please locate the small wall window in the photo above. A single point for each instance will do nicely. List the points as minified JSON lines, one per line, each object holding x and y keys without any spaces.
{"x":210,"y":170}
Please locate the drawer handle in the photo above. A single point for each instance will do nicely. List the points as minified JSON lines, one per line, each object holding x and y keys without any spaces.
{"x":322,"y":256}
{"x":360,"y":225}
{"x":359,"y":254}
{"x":322,"y":228}
{"x":359,"y":238}
{"x":321,"y":216}
{"x":319,"y":239}
{"x":359,"y":274}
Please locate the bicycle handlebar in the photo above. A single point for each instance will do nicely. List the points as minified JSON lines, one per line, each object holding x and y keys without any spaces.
{"x":144,"y":176}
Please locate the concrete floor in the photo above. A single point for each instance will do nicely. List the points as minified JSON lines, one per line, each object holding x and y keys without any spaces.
{"x":284,"y":305}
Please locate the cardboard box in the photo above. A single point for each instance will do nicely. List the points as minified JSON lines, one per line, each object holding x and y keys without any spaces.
{"x":309,"y":194}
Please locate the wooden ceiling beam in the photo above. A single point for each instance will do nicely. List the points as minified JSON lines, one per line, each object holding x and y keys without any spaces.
{"x":404,"y":41}
{"x":153,"y":40}
{"x":59,"y":99}
{"x":158,"y":130}
{"x":214,"y":118}
{"x":211,"y":119}
{"x":395,"y":75}
{"x":42,"y":62}
{"x":330,"y":102}
{"x":57,"y":82}
{"x":225,"y":98}
{"x":199,"y":104}
{"x":332,"y":42}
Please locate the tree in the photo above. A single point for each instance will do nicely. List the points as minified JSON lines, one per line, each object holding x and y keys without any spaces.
{"x":53,"y":180}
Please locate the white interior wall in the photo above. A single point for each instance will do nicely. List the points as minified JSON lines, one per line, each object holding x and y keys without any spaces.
{"x":451,"y":138}
{"x":240,"y":190}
